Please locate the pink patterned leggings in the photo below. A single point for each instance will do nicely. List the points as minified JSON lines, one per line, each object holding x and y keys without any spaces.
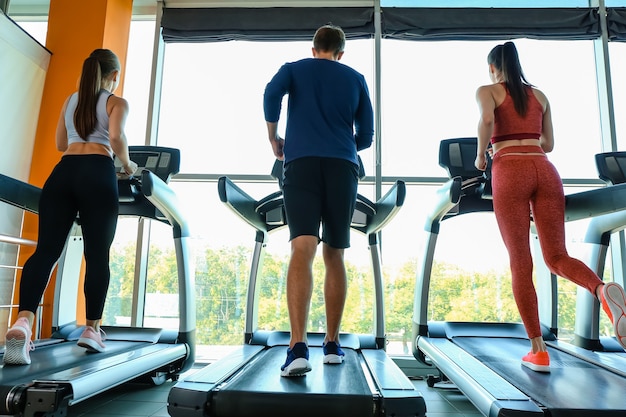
{"x":523,"y":180}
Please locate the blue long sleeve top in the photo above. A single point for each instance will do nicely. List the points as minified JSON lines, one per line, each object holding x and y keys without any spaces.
{"x":329,"y":111}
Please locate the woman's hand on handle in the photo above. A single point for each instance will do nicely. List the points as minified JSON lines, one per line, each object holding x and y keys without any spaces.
{"x":480,"y":162}
{"x":130,"y":168}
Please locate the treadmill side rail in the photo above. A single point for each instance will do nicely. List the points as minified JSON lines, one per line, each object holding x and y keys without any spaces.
{"x":491,"y":394}
{"x":191,"y":396}
{"x":398,"y":395}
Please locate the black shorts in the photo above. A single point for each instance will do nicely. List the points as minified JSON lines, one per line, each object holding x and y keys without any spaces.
{"x":321,"y":190}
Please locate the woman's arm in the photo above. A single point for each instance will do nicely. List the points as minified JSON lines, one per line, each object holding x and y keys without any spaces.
{"x":547,"y":135}
{"x":117,"y":137}
{"x":486,"y":106}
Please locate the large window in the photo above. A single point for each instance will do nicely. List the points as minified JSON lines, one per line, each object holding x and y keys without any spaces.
{"x":212,"y":101}
{"x":136,"y":81}
{"x":212,"y":110}
{"x":618,"y":66}
{"x":428,"y":94}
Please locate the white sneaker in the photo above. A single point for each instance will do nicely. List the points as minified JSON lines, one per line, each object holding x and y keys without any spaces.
{"x":18,"y":343}
{"x":91,"y":340}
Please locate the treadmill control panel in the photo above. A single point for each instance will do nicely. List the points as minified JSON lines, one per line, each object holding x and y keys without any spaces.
{"x":161,"y":161}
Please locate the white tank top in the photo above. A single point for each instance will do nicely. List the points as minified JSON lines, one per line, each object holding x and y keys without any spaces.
{"x":101,"y":132}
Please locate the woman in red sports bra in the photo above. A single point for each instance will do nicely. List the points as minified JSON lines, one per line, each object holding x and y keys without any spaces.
{"x":515,"y":118}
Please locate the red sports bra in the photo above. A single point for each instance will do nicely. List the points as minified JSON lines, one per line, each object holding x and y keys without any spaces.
{"x":509,"y":125}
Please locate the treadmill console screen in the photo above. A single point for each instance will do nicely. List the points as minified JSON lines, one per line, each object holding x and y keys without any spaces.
{"x":162,"y":162}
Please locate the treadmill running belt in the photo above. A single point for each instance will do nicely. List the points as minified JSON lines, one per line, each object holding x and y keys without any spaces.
{"x":326,"y":390}
{"x":572,"y":388}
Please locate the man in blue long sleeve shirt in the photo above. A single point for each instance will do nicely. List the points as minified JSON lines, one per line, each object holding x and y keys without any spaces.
{"x":329,"y":119}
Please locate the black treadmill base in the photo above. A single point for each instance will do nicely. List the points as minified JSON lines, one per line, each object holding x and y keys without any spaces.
{"x":250,"y":385}
{"x":572,"y":388}
{"x":327,"y":390}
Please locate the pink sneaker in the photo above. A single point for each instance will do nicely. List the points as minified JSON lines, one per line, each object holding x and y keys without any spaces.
{"x":613,"y":301}
{"x":539,"y":361}
{"x":18,"y":343}
{"x":91,"y":340}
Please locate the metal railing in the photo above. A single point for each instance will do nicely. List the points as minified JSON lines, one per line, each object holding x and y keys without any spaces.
{"x":21,"y":242}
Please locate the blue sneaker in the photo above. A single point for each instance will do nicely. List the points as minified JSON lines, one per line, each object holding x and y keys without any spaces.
{"x":333,"y":353}
{"x":297,"y":363}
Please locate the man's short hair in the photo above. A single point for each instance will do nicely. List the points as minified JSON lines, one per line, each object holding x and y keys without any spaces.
{"x":329,"y":38}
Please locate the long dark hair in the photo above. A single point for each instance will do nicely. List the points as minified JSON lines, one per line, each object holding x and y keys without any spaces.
{"x":506,"y":60}
{"x":99,"y":65}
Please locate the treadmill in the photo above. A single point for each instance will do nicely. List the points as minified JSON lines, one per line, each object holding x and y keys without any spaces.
{"x":61,"y":373}
{"x":611,"y":169}
{"x":248,"y":383}
{"x":604,"y":351}
{"x":483,"y":359}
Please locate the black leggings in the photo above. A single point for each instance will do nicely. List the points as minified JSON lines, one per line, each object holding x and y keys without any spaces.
{"x":79,"y":184}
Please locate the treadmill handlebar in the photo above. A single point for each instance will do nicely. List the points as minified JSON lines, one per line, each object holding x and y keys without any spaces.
{"x":601,"y":228}
{"x":19,"y":194}
{"x":165,"y":200}
{"x":247,"y":208}
{"x":578,"y":206}
{"x":595,"y":203}
{"x":241,"y":203}
{"x":387,"y":207}
{"x":448,"y":196}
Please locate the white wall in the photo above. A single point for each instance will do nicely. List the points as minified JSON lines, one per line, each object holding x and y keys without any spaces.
{"x":23,"y":67}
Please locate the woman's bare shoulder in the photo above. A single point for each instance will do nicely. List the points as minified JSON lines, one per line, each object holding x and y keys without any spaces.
{"x":116,"y":102}
{"x":541,"y":97}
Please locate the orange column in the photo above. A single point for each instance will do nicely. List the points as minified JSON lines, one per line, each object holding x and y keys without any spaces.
{"x":75,"y":28}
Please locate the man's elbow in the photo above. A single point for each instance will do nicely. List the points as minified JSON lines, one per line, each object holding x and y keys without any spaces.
{"x":363,"y":143}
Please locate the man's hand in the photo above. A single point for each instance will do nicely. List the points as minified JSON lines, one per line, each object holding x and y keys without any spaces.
{"x":278,"y":144}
